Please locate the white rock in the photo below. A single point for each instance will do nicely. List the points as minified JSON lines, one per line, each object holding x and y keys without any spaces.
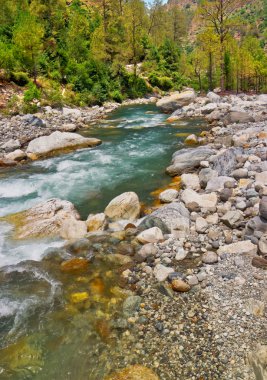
{"x":168,"y":196}
{"x":96,"y":222}
{"x":59,"y":141}
{"x":203,"y":200}
{"x":161,"y":272}
{"x":190,"y":181}
{"x":241,"y":247}
{"x":73,"y":229}
{"x":124,"y":206}
{"x":17,"y":155}
{"x":201,"y":225}
{"x":213,"y":97}
{"x":261,"y":178}
{"x":152,"y":235}
{"x":181,"y":254}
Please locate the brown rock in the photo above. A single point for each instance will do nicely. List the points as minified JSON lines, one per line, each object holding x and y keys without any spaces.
{"x":260,"y":262}
{"x":180,"y":286}
{"x":133,"y":372}
{"x":74,"y":265}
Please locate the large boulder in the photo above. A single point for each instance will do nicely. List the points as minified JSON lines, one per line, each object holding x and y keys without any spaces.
{"x":174,"y":215}
{"x":57,"y":142}
{"x":44,"y":219}
{"x":238,"y":117}
{"x":176,"y":100}
{"x":187,"y":159}
{"x":202,"y":200}
{"x":124,"y":206}
{"x":225,"y":161}
{"x":214,"y":98}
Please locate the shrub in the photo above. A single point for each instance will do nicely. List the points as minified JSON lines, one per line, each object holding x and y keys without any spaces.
{"x":116,"y":95}
{"x":32,"y":93}
{"x":19,"y":78}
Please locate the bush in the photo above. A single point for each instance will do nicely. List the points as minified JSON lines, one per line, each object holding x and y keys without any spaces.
{"x":164,"y":83}
{"x":19,"y":78}
{"x":116,"y":95}
{"x":32,"y":93}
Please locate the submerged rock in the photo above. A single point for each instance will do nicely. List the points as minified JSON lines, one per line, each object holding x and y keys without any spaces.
{"x":124,"y":206}
{"x":58,"y":141}
{"x":73,"y":229}
{"x":134,"y":372}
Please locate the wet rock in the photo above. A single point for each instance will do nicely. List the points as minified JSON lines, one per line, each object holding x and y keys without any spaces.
{"x":191,"y":140}
{"x":17,"y":155}
{"x":232,"y":218}
{"x":44,"y":219}
{"x":188,"y":159}
{"x":134,"y":372}
{"x":162,"y":272}
{"x":239,"y":248}
{"x":152,"y":235}
{"x":131,"y":305}
{"x":176,"y":100}
{"x":124,"y":206}
{"x":180,"y":286}
{"x":168,"y":196}
{"x":97,"y":222}
{"x":190,"y":181}
{"x":77,"y":265}
{"x":79,"y":297}
{"x":203,"y":200}
{"x":58,"y":141}
{"x":210,"y":257}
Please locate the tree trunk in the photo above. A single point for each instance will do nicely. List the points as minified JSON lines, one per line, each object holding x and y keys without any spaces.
{"x":210,"y":72}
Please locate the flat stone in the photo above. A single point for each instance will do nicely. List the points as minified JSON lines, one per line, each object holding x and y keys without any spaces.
{"x":168,"y":196}
{"x":203,"y":200}
{"x":239,"y":248}
{"x":190,"y":181}
{"x":231,"y":218}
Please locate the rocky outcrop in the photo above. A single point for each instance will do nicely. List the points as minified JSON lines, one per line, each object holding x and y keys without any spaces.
{"x":58,"y":142}
{"x":125,"y":206}
{"x":44,"y":219}
{"x":187,"y":159}
{"x":176,"y":100}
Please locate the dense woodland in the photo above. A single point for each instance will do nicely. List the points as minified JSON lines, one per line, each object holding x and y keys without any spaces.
{"x":87,"y":52}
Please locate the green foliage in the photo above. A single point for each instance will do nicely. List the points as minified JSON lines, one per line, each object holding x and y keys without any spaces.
{"x":19,"y":78}
{"x":117,"y":96}
{"x":32,"y":93}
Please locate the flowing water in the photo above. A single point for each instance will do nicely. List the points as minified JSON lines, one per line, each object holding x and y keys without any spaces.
{"x":44,"y":335}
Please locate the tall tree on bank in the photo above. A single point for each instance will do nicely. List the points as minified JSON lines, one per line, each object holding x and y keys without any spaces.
{"x":219,"y":16}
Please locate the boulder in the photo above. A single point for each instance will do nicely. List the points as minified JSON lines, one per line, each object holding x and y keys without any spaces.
{"x":205,"y":175}
{"x":238,"y":117}
{"x":133,"y":372}
{"x":203,"y":200}
{"x":176,"y":100}
{"x":215,"y":115}
{"x":124,"y":206}
{"x":174,"y":215}
{"x":190,"y":181}
{"x":10,"y":145}
{"x":225,"y":161}
{"x":59,"y":141}
{"x":97,"y":222}
{"x":214,"y":98}
{"x":72,"y":229}
{"x":168,"y":196}
{"x":16,"y":155}
{"x":5,"y":163}
{"x":152,"y":235}
{"x":232,"y":218}
{"x":217,"y":183}
{"x":240,"y":248}
{"x":161,"y":272}
{"x":187,"y":159}
{"x":44,"y":219}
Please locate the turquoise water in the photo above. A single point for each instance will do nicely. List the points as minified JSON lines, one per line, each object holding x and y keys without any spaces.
{"x":43,"y":334}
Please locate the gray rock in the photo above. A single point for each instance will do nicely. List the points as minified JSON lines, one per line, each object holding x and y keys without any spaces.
{"x":168,"y":196}
{"x":217,"y":183}
{"x":225,"y":162}
{"x":225,"y":194}
{"x":188,"y":159}
{"x":205,"y":175}
{"x":256,"y":224}
{"x":238,"y":117}
{"x":172,"y":214}
{"x":161,"y":272}
{"x":240,"y":173}
{"x":232,"y":218}
{"x":153,"y":221}
{"x":201,"y":225}
{"x":263,"y":245}
{"x":263,"y":208}
{"x":210,"y":257}
{"x":176,"y":100}
{"x":11,"y":145}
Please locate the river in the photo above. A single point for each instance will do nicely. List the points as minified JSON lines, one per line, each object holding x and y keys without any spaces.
{"x":43,"y":334}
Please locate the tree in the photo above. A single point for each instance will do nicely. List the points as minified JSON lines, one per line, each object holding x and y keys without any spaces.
{"x":28,"y":36}
{"x":218,"y":15}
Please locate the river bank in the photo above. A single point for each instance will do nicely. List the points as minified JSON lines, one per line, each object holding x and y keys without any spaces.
{"x":195,"y":265}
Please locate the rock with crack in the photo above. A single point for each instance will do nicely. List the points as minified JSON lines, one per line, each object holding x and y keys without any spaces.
{"x":124,"y":206}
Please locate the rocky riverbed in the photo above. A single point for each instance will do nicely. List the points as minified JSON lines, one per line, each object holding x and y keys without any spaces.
{"x":196,"y":264}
